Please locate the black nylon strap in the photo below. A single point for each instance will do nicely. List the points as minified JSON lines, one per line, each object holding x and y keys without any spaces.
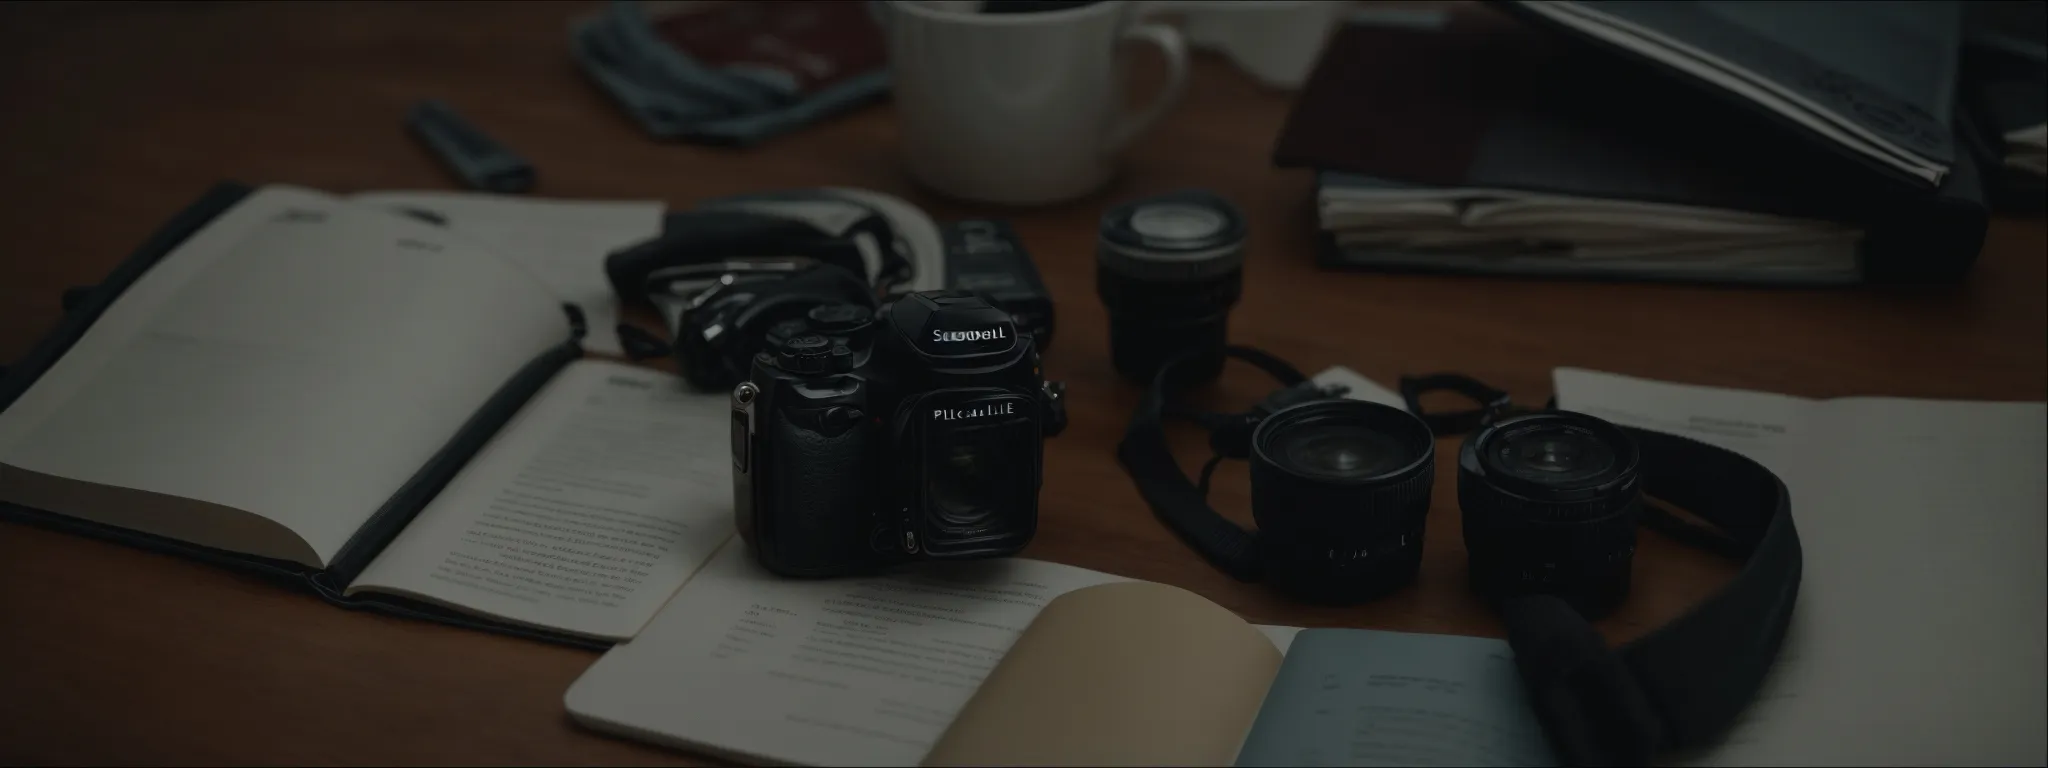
{"x":1493,"y":403}
{"x":1178,"y":502}
{"x":1684,"y":684}
{"x":77,"y":296}
{"x":1587,"y":698}
{"x":1701,"y":670}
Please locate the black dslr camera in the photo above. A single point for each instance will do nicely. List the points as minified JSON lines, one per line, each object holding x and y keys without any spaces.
{"x":864,"y":438}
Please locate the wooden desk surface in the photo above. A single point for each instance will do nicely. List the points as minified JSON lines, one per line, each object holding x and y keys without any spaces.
{"x":116,"y":116}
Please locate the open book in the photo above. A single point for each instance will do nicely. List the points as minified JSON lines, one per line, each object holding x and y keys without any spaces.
{"x":1019,"y":661}
{"x":375,"y":406}
{"x":562,"y":242}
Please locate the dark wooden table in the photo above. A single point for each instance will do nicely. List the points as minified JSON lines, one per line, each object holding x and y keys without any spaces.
{"x":112,"y":117}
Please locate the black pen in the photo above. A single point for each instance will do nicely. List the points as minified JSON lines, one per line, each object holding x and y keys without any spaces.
{"x":475,"y":158}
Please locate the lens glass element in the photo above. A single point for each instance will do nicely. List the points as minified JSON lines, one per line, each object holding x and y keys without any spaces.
{"x":1341,"y":451}
{"x":1176,"y":221}
{"x":965,"y":478}
{"x":1553,"y":454}
{"x":980,"y":469}
{"x":1340,"y":492}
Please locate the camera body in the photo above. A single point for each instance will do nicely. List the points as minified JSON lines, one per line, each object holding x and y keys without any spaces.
{"x":866,"y":439}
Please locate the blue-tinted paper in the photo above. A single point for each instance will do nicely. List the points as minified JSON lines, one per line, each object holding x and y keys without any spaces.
{"x":1360,"y":697}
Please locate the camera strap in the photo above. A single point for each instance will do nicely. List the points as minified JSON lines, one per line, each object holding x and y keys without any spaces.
{"x":1680,"y":686}
{"x":1182,"y":506}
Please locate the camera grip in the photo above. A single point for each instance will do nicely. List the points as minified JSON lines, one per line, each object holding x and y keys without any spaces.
{"x":816,"y":510}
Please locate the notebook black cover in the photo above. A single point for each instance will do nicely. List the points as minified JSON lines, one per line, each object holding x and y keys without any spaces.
{"x":1856,"y":57}
{"x":382,"y":527}
{"x":2005,"y":84}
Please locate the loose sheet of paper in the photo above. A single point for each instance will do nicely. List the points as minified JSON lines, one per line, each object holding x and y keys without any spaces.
{"x":564,"y":242}
{"x":854,"y":671}
{"x":1921,"y":633}
{"x":1358,"y":387}
{"x":586,"y":512}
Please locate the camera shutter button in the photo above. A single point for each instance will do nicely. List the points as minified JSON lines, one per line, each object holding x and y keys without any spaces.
{"x":806,"y":353}
{"x":780,"y":333}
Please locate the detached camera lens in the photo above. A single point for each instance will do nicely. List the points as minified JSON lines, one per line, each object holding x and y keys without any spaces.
{"x":1340,"y":491}
{"x":1550,"y":503}
{"x":1169,"y":269}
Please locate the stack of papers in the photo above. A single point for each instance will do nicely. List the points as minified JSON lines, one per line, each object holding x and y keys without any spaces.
{"x":1392,"y":223}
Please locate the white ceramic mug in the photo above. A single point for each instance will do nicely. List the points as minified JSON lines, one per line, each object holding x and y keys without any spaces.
{"x":1020,"y":108}
{"x":1275,"y":41}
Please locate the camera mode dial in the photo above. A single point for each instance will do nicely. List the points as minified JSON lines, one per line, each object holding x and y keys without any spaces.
{"x":814,"y":353}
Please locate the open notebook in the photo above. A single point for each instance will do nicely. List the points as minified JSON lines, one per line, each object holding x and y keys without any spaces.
{"x":1019,"y":662}
{"x":372,"y":406}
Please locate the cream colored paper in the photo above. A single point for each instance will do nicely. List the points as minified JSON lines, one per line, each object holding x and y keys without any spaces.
{"x":290,"y":366}
{"x":1133,"y":673}
{"x":1921,"y":633}
{"x":592,"y":506}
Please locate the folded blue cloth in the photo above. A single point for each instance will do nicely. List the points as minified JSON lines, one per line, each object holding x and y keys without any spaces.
{"x":675,"y":97}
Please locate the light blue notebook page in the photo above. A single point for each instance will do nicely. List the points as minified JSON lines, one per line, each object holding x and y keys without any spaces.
{"x":1361,"y":697}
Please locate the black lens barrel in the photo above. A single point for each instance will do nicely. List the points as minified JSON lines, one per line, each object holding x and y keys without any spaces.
{"x":1153,"y":323}
{"x":1168,"y":270}
{"x":1342,"y":540}
{"x":1573,"y":536}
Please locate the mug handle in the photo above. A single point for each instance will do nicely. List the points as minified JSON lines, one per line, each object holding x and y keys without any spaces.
{"x":1175,"y":50}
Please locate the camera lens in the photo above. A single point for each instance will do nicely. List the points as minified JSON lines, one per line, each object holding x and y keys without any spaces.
{"x":979,"y":473}
{"x":1340,"y":491}
{"x":1550,"y":503}
{"x":1169,"y":269}
{"x":966,"y":472}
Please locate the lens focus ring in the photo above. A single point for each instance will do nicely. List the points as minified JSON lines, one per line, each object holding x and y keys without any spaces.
{"x":1549,"y":504}
{"x":1169,"y":269}
{"x":1341,"y":491}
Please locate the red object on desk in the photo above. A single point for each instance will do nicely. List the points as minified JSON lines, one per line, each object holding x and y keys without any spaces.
{"x":819,"y":42}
